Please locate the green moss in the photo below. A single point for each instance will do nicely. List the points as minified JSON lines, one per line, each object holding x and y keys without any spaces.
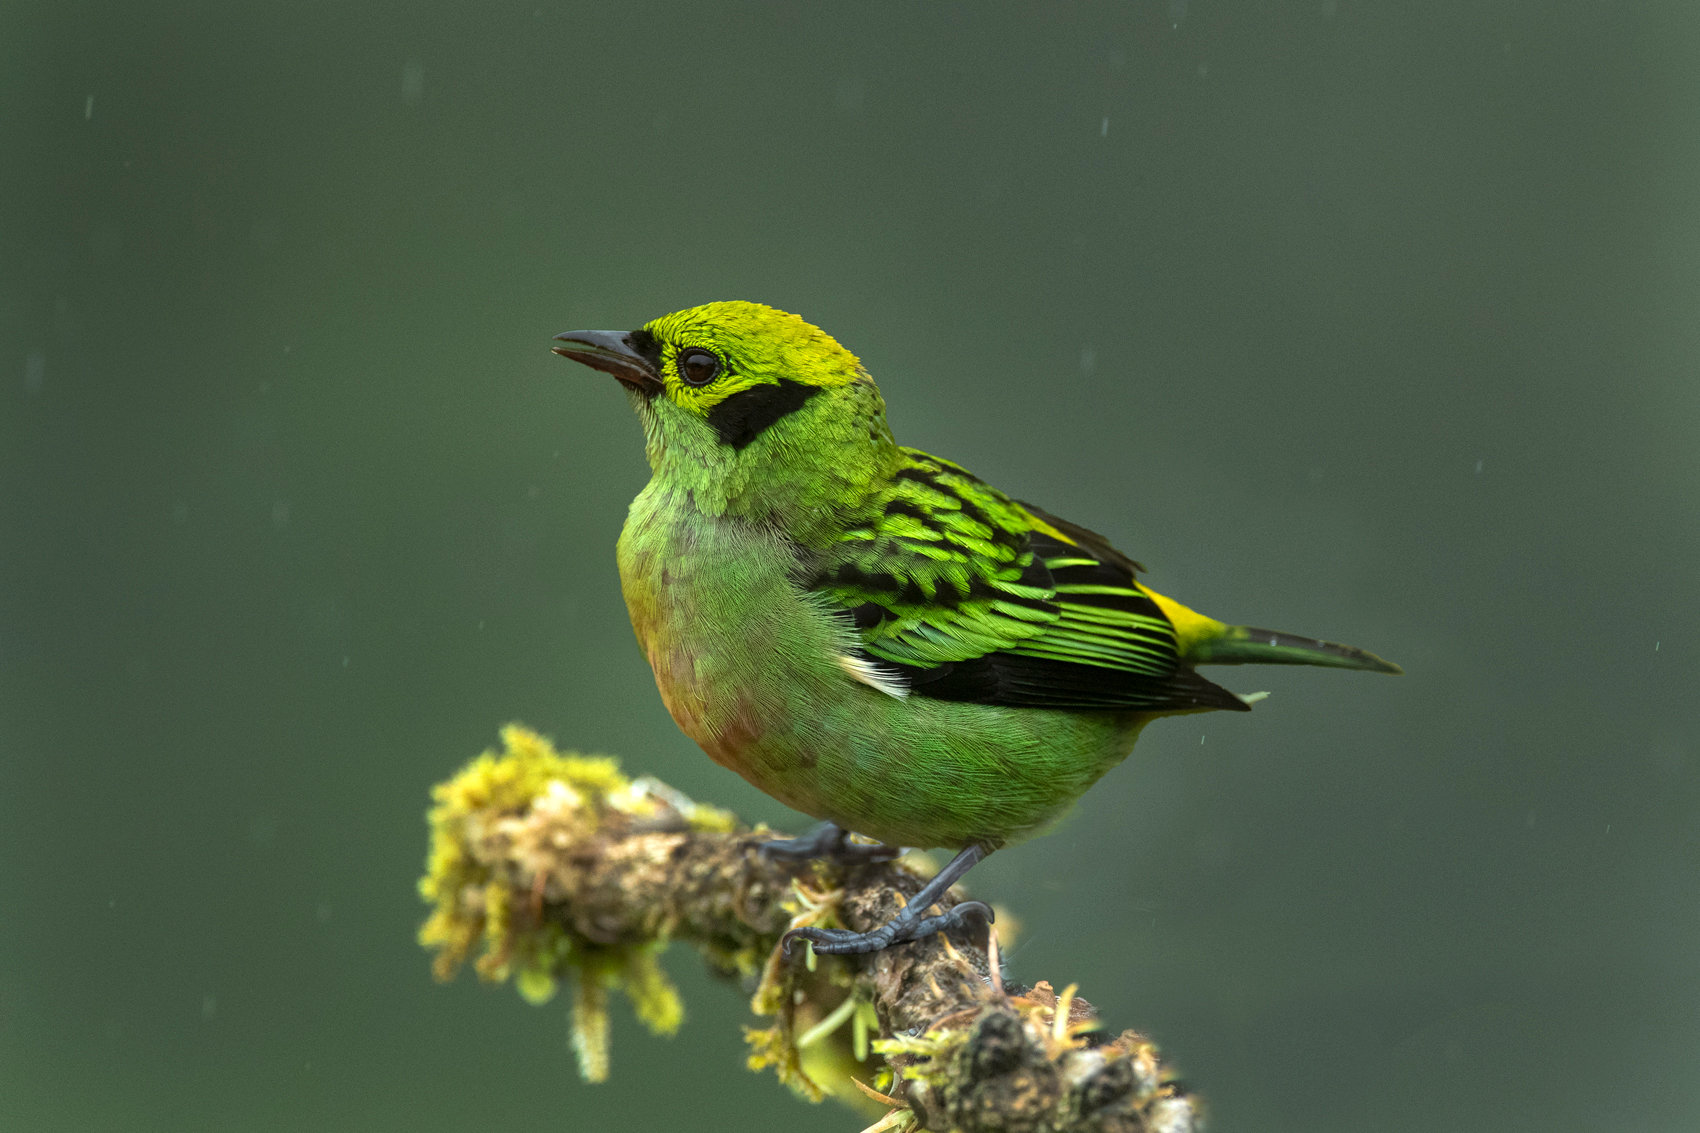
{"x":590,"y":1025}
{"x":472,"y":905}
{"x":653,"y":995}
{"x":775,"y":1046}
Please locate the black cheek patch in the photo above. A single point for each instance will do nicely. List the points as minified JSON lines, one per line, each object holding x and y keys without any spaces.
{"x":743,"y":417}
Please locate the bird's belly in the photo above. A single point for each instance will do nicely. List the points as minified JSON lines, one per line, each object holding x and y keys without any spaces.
{"x":748,"y":667}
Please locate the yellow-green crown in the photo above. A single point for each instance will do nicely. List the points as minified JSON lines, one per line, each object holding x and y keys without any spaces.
{"x":754,"y":344}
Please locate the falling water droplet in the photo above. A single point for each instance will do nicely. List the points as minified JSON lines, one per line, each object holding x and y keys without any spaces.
{"x":412,"y":81}
{"x":35,"y":371}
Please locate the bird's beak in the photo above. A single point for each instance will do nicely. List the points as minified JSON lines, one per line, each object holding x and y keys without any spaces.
{"x":611,"y":352}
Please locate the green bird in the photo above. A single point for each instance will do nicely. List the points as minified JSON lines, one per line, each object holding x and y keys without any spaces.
{"x":872,"y":635}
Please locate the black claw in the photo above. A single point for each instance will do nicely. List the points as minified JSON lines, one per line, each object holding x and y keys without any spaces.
{"x":957,"y":917}
{"x":836,"y":941}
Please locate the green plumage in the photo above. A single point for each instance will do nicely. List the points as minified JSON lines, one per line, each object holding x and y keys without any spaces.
{"x":973,"y":596}
{"x":868,"y":633}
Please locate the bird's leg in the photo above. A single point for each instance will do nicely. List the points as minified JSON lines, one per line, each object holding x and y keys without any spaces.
{"x":912,"y":923}
{"x":829,"y":840}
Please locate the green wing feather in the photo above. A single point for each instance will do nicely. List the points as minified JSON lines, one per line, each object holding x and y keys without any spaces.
{"x":970,"y":595}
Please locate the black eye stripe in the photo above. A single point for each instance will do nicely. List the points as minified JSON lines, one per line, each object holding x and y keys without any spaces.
{"x":698,"y":367}
{"x":745,"y":415}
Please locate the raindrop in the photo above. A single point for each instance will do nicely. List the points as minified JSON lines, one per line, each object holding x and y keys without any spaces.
{"x":412,"y":81}
{"x":35,"y":371}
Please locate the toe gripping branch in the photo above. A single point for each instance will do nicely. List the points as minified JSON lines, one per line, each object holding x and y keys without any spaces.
{"x":831,"y":841}
{"x":911,"y":923}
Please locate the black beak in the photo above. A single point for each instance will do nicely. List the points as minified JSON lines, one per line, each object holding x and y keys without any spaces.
{"x":610,"y":351}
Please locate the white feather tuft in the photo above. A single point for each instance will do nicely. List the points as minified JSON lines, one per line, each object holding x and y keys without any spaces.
{"x":874,"y":676}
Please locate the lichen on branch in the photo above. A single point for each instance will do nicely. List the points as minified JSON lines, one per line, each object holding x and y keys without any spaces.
{"x":556,"y":867}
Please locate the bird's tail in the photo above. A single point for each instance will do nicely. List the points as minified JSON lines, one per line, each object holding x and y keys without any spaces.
{"x":1242,"y":645}
{"x":1206,"y":641}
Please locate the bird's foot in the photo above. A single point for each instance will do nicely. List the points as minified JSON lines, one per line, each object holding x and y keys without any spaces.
{"x":832,"y":841}
{"x":912,"y":923}
{"x":905,"y":926}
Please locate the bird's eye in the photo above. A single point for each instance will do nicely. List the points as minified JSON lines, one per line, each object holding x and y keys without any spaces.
{"x":698,"y":367}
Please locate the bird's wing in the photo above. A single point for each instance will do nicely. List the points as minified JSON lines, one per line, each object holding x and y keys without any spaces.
{"x":960,"y":593}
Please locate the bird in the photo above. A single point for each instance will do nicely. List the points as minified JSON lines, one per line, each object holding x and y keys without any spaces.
{"x":875,"y":636}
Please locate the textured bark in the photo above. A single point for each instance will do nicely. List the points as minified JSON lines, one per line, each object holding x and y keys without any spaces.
{"x":588,"y":877}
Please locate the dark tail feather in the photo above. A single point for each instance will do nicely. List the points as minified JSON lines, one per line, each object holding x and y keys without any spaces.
{"x":1242,"y":645}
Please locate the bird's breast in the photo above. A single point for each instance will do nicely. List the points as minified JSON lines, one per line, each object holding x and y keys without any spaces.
{"x":737,"y":650}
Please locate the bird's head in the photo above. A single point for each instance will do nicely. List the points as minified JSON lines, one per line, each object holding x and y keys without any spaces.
{"x":751,"y":409}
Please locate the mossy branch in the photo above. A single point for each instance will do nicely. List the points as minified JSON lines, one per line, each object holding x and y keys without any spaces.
{"x":559,"y":867}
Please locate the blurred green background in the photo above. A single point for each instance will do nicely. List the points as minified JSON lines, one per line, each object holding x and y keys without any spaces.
{"x":1372,"y":321}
